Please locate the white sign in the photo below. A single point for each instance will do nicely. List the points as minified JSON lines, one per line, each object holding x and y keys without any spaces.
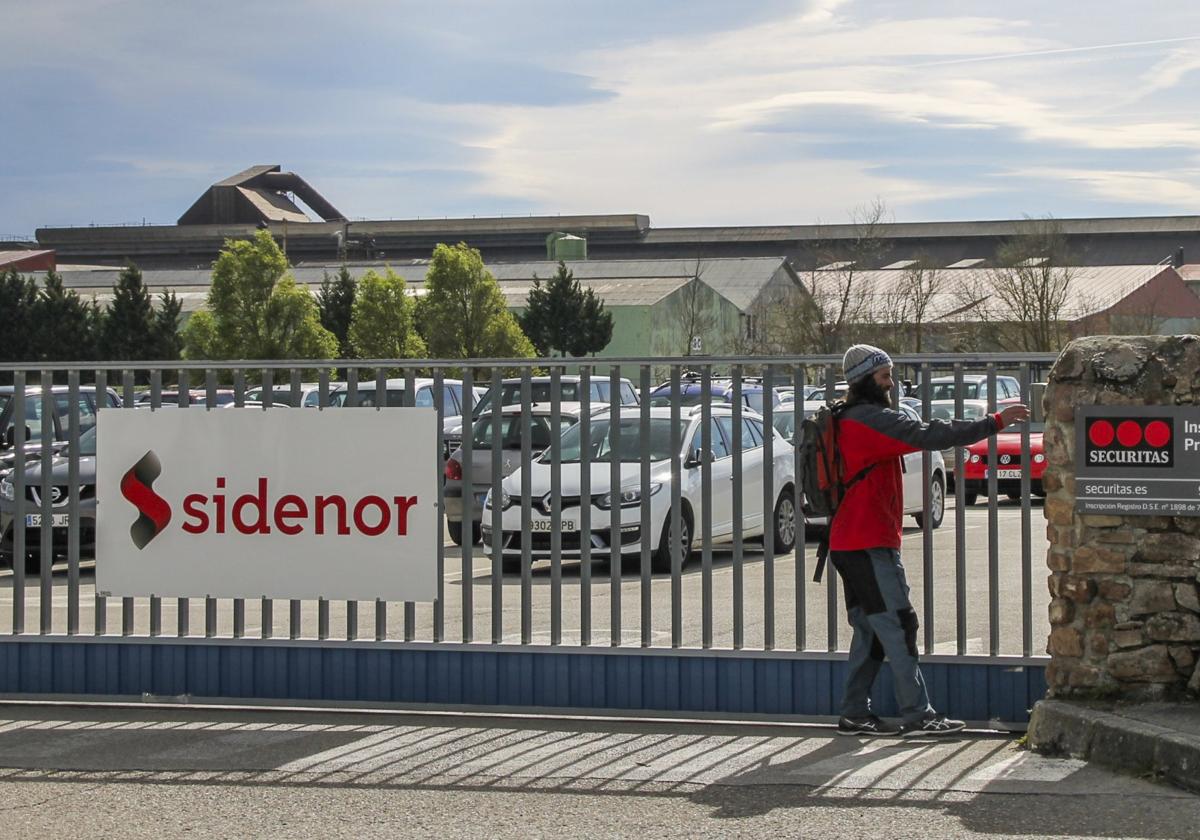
{"x":696,"y":344}
{"x":246,"y":503}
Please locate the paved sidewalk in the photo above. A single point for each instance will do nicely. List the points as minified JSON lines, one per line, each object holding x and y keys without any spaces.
{"x":155,"y":772}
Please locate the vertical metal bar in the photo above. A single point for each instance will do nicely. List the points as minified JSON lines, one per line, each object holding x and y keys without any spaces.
{"x":497,"y":491}
{"x":768,"y":502}
{"x":268,"y":606}
{"x":924,"y":374}
{"x":352,"y":399}
{"x":555,"y":508}
{"x":322,"y":603}
{"x":468,"y":503}
{"x":20,"y":439}
{"x":410,"y":609}
{"x":831,"y":596}
{"x":614,"y":512}
{"x":127,"y":602}
{"x":801,"y":579}
{"x":46,"y":548}
{"x":645,"y":527}
{"x":526,"y":534}
{"x":706,"y":496}
{"x":239,"y":604}
{"x":294,"y":614}
{"x":738,"y":513}
{"x":1026,"y":524}
{"x":380,"y":402}
{"x":993,"y":528}
{"x":210,"y":389}
{"x":960,"y":526}
{"x":439,"y":603}
{"x":585,"y":506}
{"x":155,"y":404}
{"x":100,"y":615}
{"x":73,"y":505}
{"x":677,"y":524}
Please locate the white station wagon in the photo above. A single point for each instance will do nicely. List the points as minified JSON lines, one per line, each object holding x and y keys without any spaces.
{"x":781,"y":519}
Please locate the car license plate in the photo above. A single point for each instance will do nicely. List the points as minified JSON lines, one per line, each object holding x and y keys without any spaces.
{"x":1003,"y":474}
{"x":57,"y":520}
{"x":546,"y":525}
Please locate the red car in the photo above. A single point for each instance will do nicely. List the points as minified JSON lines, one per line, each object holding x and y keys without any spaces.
{"x":1008,"y":465}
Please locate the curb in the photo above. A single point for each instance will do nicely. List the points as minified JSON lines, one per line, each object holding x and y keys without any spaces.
{"x":1102,"y":735}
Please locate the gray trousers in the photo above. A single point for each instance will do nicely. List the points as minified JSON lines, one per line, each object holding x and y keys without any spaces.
{"x":885,"y":625}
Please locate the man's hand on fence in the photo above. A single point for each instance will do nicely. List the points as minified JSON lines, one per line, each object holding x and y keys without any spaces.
{"x":1013,"y":414}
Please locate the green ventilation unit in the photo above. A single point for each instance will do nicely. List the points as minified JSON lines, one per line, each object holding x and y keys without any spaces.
{"x":565,"y":246}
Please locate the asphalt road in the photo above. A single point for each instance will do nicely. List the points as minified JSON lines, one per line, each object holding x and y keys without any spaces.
{"x":177,"y":772}
{"x":792,"y":589}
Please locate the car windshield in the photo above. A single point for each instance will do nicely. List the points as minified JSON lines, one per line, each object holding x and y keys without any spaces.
{"x":945,"y":391}
{"x":630,"y":440}
{"x":510,"y":431}
{"x":970,"y":411}
{"x":87,"y":442}
{"x":691,"y":396}
{"x":542,"y":392}
{"x":4,"y":398}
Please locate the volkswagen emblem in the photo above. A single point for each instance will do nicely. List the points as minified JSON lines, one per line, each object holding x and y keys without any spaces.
{"x":1004,"y":459}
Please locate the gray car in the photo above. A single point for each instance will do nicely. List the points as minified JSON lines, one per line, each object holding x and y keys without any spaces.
{"x":60,"y":499}
{"x":540,"y":435}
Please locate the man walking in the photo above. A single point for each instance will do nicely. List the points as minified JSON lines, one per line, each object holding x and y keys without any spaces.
{"x":864,"y":540}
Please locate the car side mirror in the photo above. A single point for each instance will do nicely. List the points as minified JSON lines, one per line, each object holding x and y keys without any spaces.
{"x":697,"y":457}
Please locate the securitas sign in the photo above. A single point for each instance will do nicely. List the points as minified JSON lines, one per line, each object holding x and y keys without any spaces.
{"x":247,"y":503}
{"x":1138,"y":460}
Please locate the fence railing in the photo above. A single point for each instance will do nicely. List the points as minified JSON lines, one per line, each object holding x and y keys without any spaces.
{"x":669,"y":523}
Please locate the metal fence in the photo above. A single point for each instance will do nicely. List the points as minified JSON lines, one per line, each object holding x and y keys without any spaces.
{"x":972,"y":579}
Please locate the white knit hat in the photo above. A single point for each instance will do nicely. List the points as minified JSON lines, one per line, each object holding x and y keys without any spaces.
{"x":863,"y":360}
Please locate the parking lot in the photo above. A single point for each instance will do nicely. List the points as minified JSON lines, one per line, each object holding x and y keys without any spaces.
{"x":787,"y":582}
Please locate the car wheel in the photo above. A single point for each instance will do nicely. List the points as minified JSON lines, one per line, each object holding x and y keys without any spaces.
{"x":455,"y":529}
{"x":937,"y":504}
{"x":785,"y":522}
{"x":1016,"y":497}
{"x":970,"y":498}
{"x":661,"y":560}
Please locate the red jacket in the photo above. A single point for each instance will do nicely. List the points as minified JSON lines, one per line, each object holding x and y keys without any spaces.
{"x":871,"y":514}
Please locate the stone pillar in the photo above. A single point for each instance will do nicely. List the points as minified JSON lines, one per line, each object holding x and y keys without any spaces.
{"x":1125,"y":614}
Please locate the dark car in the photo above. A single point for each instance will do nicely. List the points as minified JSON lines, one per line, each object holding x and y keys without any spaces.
{"x":59,"y":503}
{"x":60,"y":418}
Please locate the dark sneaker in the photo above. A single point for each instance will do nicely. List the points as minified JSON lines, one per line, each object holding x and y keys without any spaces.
{"x":933,"y":725}
{"x":868,"y":726}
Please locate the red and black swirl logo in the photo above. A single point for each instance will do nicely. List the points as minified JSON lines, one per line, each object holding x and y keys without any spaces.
{"x":1130,"y":442}
{"x":137,"y":486}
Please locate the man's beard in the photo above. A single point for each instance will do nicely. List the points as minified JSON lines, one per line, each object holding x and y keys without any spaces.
{"x":867,"y":390}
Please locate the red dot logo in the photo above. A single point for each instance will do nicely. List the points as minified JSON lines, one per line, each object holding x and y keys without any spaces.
{"x":1101,"y":433}
{"x":1158,"y":434}
{"x":1129,"y":433}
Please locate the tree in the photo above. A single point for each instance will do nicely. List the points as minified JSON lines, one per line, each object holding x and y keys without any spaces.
{"x":463,"y":315}
{"x":382,"y":323}
{"x":168,"y":343}
{"x":908,"y":305}
{"x":563,"y":316}
{"x":128,"y":329}
{"x":18,"y":296}
{"x":335,"y":300}
{"x":256,"y":310}
{"x":65,"y":327}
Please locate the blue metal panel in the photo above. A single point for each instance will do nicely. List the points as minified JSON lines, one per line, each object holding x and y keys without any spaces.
{"x":743,"y":684}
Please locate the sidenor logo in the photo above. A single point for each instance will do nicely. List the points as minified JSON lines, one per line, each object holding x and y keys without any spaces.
{"x":1130,"y":442}
{"x":137,"y":486}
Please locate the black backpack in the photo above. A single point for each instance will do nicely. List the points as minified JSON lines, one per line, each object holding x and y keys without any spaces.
{"x":821,"y":472}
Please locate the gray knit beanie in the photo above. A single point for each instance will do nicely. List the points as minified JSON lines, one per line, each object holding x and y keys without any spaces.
{"x":863,"y":360}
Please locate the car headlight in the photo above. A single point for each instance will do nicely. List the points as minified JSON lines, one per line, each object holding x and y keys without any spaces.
{"x":7,"y":490}
{"x":625,"y":498}
{"x":1039,"y":458}
{"x":506,"y":500}
{"x":975,"y":459}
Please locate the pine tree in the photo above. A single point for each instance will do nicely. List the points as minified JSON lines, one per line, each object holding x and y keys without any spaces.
{"x":168,"y":342}
{"x":64,"y":326}
{"x":18,"y":296}
{"x":562,"y":316}
{"x":128,"y":326}
{"x":335,"y":300}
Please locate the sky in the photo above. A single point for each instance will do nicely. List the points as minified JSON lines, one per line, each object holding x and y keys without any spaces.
{"x":693,"y":112}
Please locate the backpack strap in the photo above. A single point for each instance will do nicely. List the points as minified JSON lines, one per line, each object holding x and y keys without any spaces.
{"x":823,"y":545}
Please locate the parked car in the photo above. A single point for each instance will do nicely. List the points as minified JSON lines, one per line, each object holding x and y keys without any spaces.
{"x":599,"y":388}
{"x":911,"y":472}
{"x":755,"y":396}
{"x":482,"y":456}
{"x":281,"y":394}
{"x":60,"y":419}
{"x":691,"y":392}
{"x":975,"y":387}
{"x":780,"y":522}
{"x":1008,"y":465}
{"x":784,"y":420}
{"x":423,"y":397}
{"x":60,"y":498}
{"x":945,"y":410}
{"x":196,"y":396}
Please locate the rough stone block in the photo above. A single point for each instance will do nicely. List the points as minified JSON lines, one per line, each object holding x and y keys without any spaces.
{"x":1194,"y":683}
{"x":1173,"y":627}
{"x":1124,"y":743}
{"x":1057,"y":561}
{"x":1183,"y":658}
{"x":1187,"y":597}
{"x":1081,"y":590}
{"x":1098,"y":645}
{"x":1056,"y":728}
{"x":1059,"y":511}
{"x":1148,"y":664}
{"x":1066,"y":641}
{"x":1051,"y":481}
{"x":1169,"y":548}
{"x":1129,"y":634}
{"x":1177,"y":759}
{"x":1089,"y":560}
{"x":1151,"y":596}
{"x":1153,"y":570}
{"x":1120,"y":536}
{"x":1084,"y":676}
{"x":1062,"y":611}
{"x":1100,"y":615}
{"x":1101,"y":520}
{"x":1113,"y":590}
